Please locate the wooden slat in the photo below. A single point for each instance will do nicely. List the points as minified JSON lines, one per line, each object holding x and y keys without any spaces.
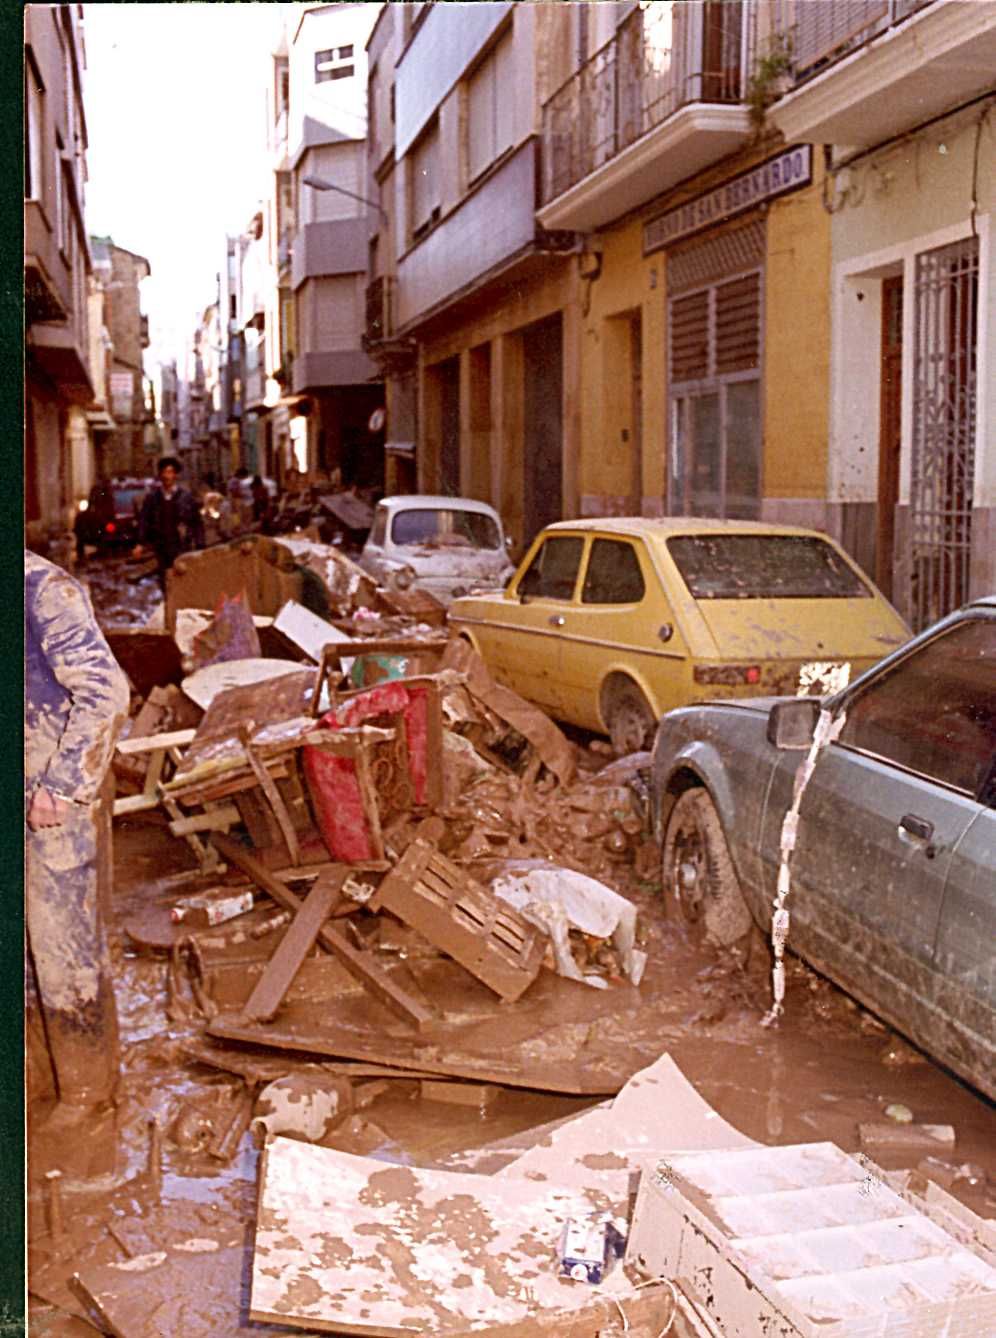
{"x":279,"y":972}
{"x":177,"y":738}
{"x":274,"y":798}
{"x":358,"y":964}
{"x":213,"y":820}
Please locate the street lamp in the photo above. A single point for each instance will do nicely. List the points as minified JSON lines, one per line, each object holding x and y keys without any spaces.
{"x":319,"y":183}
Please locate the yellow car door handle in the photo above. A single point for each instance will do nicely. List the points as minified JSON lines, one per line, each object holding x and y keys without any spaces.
{"x":557,"y":620}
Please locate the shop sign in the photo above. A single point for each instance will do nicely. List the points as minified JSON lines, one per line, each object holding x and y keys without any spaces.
{"x":787,"y":171}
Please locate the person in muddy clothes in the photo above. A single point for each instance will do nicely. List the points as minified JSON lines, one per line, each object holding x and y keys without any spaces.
{"x":170,"y":522}
{"x":76,"y":697}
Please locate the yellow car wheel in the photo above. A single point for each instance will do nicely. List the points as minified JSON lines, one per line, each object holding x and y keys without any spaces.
{"x":698,"y":874}
{"x":630,"y":721}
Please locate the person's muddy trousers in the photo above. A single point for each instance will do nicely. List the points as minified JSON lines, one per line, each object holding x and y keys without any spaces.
{"x":68,"y":954}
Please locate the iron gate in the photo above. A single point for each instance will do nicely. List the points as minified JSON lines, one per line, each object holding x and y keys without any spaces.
{"x":946,"y":297}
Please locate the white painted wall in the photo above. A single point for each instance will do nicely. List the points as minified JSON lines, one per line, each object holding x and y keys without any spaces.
{"x":904,"y":200}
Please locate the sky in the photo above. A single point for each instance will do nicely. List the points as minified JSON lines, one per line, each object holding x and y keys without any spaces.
{"x":175,"y":106}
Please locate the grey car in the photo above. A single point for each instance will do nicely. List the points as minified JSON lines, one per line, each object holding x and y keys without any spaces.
{"x":893,"y":875}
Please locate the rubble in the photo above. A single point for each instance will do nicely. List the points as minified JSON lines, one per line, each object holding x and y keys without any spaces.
{"x":435,"y":871}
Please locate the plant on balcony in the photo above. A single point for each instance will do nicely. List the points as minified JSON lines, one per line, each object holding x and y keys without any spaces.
{"x":772,"y":73}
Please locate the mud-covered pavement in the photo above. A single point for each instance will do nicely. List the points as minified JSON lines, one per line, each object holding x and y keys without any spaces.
{"x":141,"y":1179}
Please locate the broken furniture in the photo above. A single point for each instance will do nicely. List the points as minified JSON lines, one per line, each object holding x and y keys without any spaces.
{"x":464,"y":919}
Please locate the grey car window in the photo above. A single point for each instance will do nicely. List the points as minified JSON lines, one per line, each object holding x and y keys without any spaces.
{"x":553,"y":572}
{"x":443,"y":527}
{"x":763,"y":566}
{"x":613,"y":574}
{"x":934,"y":712}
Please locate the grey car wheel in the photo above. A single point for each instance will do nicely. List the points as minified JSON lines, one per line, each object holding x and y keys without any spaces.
{"x":629,"y":719}
{"x":698,"y":872}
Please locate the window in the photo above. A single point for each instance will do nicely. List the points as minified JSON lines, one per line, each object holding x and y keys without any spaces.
{"x":425,"y":186}
{"x":934,"y":712}
{"x":553,"y":572}
{"x":34,"y":105}
{"x":613,"y":575}
{"x":445,"y":529}
{"x":490,"y":109}
{"x":715,"y":333}
{"x":763,"y":566}
{"x":332,"y":64}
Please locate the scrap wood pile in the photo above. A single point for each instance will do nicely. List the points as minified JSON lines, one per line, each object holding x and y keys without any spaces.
{"x":380,"y":828}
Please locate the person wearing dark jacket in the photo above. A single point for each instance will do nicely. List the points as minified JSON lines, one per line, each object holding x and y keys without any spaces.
{"x":170,"y":521}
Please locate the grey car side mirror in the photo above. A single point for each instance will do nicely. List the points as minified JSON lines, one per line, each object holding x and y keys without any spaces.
{"x":791,"y":724}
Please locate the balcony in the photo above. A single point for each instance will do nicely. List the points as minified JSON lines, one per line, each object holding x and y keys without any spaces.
{"x":661,"y":101}
{"x":338,"y":246}
{"x":865,"y":72}
{"x":380,"y":309}
{"x":488,"y":238}
{"x":320,"y":371}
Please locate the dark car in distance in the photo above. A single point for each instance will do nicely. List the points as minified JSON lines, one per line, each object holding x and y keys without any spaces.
{"x":893,"y":874}
{"x":109,"y":518}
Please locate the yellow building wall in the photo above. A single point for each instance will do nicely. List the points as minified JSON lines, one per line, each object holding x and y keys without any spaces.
{"x":627,"y":286}
{"x":796,"y":377}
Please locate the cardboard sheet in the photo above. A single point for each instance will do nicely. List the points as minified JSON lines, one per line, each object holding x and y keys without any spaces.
{"x":351,"y":1245}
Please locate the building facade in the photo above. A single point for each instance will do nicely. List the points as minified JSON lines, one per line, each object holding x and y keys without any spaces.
{"x":120,"y":273}
{"x":683,"y":258}
{"x":323,"y":231}
{"x":899,"y":98}
{"x":58,"y":384}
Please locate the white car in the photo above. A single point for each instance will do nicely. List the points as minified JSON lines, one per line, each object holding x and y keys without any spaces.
{"x":448,"y":546}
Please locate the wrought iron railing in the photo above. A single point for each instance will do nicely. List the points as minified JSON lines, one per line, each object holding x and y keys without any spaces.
{"x":663,"y":57}
{"x":820,"y":34}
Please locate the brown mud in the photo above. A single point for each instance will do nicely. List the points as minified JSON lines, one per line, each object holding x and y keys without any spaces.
{"x":139,"y":1179}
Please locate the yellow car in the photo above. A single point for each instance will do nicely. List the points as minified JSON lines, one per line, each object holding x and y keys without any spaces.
{"x":608,"y":623}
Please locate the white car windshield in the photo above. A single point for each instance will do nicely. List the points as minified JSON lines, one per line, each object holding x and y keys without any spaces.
{"x":444,"y":527}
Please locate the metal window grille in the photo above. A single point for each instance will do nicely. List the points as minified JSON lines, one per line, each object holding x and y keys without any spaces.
{"x":946,"y":298}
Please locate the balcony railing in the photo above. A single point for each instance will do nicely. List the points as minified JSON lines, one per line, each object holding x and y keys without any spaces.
{"x":662,"y":58}
{"x":820,"y":34}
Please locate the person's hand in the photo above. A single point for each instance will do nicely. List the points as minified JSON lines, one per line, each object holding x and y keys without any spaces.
{"x":46,"y":810}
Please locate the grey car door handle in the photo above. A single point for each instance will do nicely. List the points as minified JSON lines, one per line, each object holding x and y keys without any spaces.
{"x":920,"y":829}
{"x":557,"y":620}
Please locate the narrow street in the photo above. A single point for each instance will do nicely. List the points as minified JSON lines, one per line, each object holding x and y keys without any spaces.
{"x":151,"y":1178}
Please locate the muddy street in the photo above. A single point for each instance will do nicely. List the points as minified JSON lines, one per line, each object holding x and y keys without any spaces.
{"x":144,"y":1222}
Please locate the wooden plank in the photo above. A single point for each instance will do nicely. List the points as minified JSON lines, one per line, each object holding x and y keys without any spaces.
{"x":134,"y":803}
{"x":213,"y":820}
{"x":177,"y":738}
{"x":283,"y":966}
{"x":274,"y":798}
{"x":398,"y":1000}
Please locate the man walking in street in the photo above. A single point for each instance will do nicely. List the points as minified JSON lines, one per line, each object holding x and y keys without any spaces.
{"x":170,"y":520}
{"x":76,"y":697}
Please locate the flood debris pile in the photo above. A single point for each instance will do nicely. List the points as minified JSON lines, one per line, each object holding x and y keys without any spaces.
{"x":391,"y":846}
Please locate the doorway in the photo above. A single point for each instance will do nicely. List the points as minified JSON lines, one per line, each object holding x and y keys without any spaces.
{"x":543,"y":468}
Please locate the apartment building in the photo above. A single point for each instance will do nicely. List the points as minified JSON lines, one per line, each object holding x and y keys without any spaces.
{"x":898,"y":97}
{"x":322,"y":228}
{"x":120,"y":273}
{"x":58,"y":384}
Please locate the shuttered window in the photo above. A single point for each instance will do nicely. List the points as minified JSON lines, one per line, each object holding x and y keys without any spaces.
{"x":425,"y":188}
{"x":823,"y":29}
{"x":490,"y":109}
{"x":714,"y":362}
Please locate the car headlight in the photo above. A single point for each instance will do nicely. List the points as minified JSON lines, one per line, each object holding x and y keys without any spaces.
{"x":403,"y":578}
{"x":84,"y":505}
